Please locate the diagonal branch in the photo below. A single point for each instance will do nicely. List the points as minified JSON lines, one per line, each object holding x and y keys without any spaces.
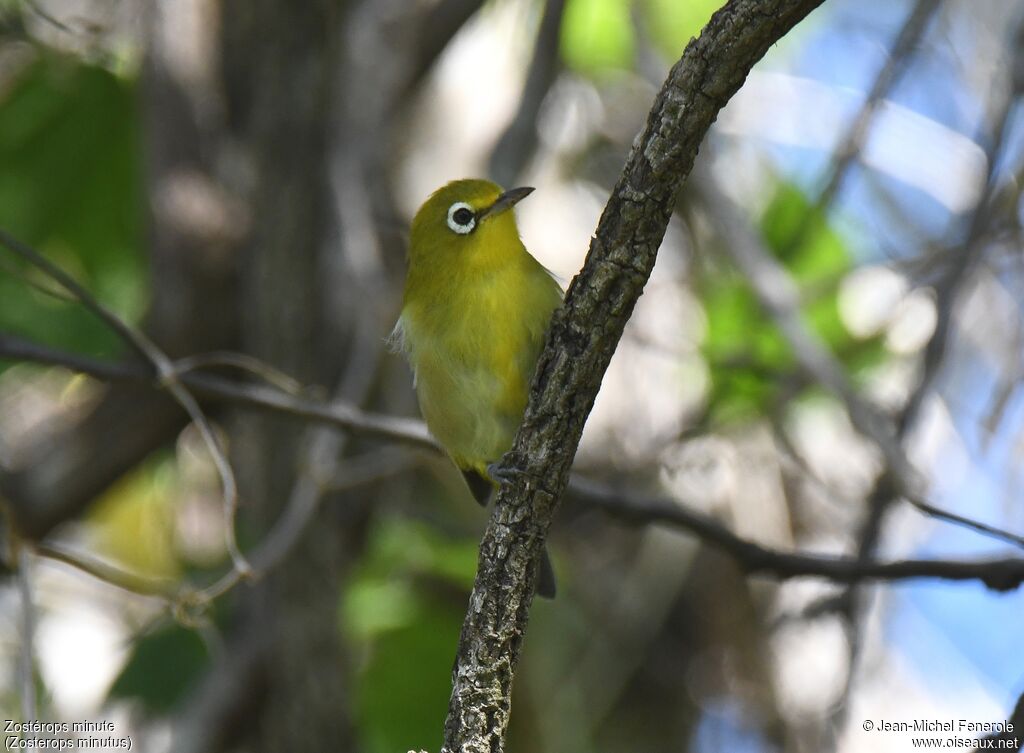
{"x":580,"y":343}
{"x":778,"y":294}
{"x":852,"y":141}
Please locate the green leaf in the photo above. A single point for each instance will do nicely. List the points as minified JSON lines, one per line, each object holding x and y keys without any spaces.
{"x":672,"y":23}
{"x":403,"y":690}
{"x":751,"y":363}
{"x":397,"y":551}
{"x":164,"y":666}
{"x":70,"y":186}
{"x":406,"y":631}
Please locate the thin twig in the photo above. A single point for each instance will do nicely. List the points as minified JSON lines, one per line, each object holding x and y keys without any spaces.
{"x":998,"y":574}
{"x":187,"y":605}
{"x":951,"y":517}
{"x":779,"y":296}
{"x":319,"y":466}
{"x":49,"y":18}
{"x":406,"y":431}
{"x":340,"y":414}
{"x":15,"y":271}
{"x":947,"y":291}
{"x":519,"y":140}
{"x":140,"y":585}
{"x":242,"y":361}
{"x":227,"y":477}
{"x":369,"y":467}
{"x":166,"y":374}
{"x":852,"y":141}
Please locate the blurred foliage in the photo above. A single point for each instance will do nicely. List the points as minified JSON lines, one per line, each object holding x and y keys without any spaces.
{"x":70,"y":186}
{"x":752,"y":366}
{"x":133,"y":523}
{"x":599,"y":36}
{"x":406,"y":633}
{"x":672,"y":24}
{"x":164,"y":666}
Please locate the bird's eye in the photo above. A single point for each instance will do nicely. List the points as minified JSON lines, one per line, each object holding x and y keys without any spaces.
{"x":461,"y":218}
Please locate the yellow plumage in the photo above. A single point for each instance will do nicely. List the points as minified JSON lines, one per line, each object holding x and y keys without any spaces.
{"x":474,"y":314}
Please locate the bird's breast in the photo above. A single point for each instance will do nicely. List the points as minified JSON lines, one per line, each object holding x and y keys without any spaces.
{"x":473,"y":349}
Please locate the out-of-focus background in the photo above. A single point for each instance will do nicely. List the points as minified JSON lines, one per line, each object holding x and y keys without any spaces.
{"x":237,"y":175}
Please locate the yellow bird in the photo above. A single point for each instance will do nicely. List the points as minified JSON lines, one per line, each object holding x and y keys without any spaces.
{"x":474,"y":314}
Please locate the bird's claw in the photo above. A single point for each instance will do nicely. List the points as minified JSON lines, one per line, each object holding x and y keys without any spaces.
{"x":503,"y":471}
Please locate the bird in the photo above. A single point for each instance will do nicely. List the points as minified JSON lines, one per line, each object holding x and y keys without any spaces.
{"x":475,"y":309}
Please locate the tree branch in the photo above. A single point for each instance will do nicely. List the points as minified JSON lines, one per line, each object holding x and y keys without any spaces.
{"x":165,"y":370}
{"x":580,"y":343}
{"x":342,"y":415}
{"x":408,"y":432}
{"x":853,"y":140}
{"x":998,"y":574}
{"x":778,"y":294}
{"x":519,"y":140}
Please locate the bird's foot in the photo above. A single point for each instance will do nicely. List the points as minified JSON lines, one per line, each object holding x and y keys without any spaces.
{"x":504,"y":471}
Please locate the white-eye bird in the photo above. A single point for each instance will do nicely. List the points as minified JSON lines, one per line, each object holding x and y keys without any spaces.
{"x":474,"y":313}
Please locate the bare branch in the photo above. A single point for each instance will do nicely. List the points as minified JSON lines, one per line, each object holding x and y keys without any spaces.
{"x":243,"y":362}
{"x":39,"y":286}
{"x":519,"y":140}
{"x":779,"y":296}
{"x":580,"y":343}
{"x":342,"y":415}
{"x":127,"y":581}
{"x":960,"y":520}
{"x":355,"y":471}
{"x":166,"y":374}
{"x":49,"y":18}
{"x":852,"y":141}
{"x":998,"y":574}
{"x":947,"y":291}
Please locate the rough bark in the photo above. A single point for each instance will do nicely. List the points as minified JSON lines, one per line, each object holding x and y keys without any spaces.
{"x":579,"y":346}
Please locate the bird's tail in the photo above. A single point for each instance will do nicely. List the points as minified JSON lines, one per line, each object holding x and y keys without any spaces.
{"x":481,"y":488}
{"x":479,"y":485}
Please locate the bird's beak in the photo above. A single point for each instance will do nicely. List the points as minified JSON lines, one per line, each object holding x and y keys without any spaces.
{"x":506,"y":201}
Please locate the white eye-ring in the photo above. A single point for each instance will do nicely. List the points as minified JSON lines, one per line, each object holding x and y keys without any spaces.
{"x":461,"y":218}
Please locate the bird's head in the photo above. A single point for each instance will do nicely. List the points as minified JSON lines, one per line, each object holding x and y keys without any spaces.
{"x":463,"y":218}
